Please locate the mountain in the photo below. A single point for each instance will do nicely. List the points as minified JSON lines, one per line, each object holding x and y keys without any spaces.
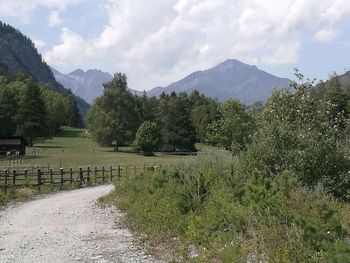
{"x":87,"y":84}
{"x":18,"y":53}
{"x":229,"y":79}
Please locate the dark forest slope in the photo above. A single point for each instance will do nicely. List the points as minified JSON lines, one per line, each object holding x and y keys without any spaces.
{"x":18,"y":53}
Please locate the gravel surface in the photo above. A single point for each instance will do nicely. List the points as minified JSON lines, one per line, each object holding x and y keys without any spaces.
{"x":67,"y":227}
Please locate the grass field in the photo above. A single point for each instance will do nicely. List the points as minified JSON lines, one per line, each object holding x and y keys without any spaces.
{"x":74,"y":148}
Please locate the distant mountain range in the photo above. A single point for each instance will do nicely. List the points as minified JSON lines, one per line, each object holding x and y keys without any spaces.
{"x":18,"y":53}
{"x":86,"y":84}
{"x":229,"y":79}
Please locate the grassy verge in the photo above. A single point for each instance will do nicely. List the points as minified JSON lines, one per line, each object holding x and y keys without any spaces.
{"x":27,"y":193}
{"x":209,"y":210}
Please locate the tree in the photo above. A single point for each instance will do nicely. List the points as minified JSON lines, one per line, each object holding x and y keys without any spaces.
{"x":177,"y":129}
{"x":204,"y":111}
{"x":31,"y":113}
{"x":335,"y":95}
{"x":73,"y":116}
{"x":57,"y":108}
{"x":114,"y":116}
{"x":147,"y":138}
{"x":299,"y":133}
{"x":235,"y":127}
{"x":147,"y":107}
{"x":8,"y":107}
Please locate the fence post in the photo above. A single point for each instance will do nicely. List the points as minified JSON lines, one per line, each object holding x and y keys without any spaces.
{"x":103,"y":174}
{"x":51,"y":176}
{"x":81,"y":177}
{"x":14,"y":178}
{"x":111,"y":173}
{"x":119,"y":171}
{"x":71,"y":175}
{"x":6,"y":176}
{"x":95,"y":175}
{"x":39,"y":178}
{"x":61,"y":172}
{"x":26,"y":175}
{"x":88,"y":175}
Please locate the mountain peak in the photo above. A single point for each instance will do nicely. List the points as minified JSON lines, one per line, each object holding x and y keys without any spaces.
{"x":229,"y":79}
{"x":78,"y":72}
{"x":233,"y":64}
{"x":87,"y":84}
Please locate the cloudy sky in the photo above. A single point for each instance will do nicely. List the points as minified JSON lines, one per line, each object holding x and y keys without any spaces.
{"x":156,"y":42}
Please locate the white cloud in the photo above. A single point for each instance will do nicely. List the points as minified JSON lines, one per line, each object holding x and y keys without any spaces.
{"x":23,"y":8}
{"x":54,"y":19}
{"x":159,"y":41}
{"x":39,"y":43}
{"x":73,"y":46}
{"x":284,"y":54}
{"x":325,"y":35}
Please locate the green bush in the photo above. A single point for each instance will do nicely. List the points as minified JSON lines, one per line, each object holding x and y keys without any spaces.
{"x":211,"y":206}
{"x":300,"y":134}
{"x":147,"y":138}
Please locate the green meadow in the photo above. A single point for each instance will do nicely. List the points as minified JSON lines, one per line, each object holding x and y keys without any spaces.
{"x":74,"y":148}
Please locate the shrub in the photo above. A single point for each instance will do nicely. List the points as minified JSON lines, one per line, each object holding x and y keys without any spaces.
{"x":147,"y":138}
{"x":212,"y":207}
{"x":24,"y":193}
{"x":299,"y":134}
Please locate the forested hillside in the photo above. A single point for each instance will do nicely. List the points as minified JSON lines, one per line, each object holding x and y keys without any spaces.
{"x":32,"y":109}
{"x":18,"y":53}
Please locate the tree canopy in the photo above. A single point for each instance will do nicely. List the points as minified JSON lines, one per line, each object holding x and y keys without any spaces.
{"x":32,"y":109}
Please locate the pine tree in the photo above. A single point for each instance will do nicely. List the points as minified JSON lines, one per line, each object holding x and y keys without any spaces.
{"x":73,"y":116}
{"x":177,"y":130}
{"x":335,"y":95}
{"x":31,"y":113}
{"x":8,"y":107}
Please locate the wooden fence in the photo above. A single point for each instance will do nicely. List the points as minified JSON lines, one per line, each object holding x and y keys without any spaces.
{"x":81,"y":176}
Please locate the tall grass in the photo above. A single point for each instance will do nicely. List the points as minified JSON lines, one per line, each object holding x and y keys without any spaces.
{"x":210,"y":210}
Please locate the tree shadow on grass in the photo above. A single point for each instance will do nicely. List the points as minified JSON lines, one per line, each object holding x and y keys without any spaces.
{"x":47,"y":147}
{"x":71,"y":133}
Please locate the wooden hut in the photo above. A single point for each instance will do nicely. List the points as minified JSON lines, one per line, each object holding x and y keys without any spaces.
{"x":12,"y":145}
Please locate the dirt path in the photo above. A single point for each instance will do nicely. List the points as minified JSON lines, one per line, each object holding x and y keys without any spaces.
{"x":67,"y":227}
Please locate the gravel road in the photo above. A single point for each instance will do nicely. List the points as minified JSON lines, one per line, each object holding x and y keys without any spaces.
{"x":67,"y":227}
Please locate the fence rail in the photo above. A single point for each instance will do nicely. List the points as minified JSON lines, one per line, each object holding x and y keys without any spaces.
{"x":83,"y":176}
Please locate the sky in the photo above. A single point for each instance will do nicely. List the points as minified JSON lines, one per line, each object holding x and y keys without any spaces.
{"x":157,"y":42}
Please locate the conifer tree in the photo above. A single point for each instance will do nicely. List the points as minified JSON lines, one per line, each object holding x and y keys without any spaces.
{"x":31,"y":114}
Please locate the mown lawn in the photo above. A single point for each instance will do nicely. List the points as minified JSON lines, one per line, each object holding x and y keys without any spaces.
{"x":74,"y":148}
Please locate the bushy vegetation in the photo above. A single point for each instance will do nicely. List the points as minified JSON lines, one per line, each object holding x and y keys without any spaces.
{"x":280,"y":195}
{"x":213,"y":210}
{"x":147,"y":138}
